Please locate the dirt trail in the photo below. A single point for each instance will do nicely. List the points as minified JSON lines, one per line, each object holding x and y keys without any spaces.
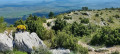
{"x":110,"y":49}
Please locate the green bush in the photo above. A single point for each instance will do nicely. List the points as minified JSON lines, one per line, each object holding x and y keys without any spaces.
{"x":51,"y":14}
{"x":47,"y":34}
{"x":102,"y":19}
{"x":19,"y":22}
{"x":106,"y":36}
{"x":63,"y":40}
{"x":116,"y":16}
{"x":85,"y":8}
{"x":3,"y":25}
{"x":110,"y":20}
{"x":67,"y":18}
{"x":35,"y":24}
{"x":85,"y":20}
{"x":49,"y":24}
{"x":101,"y":13}
{"x":96,"y":15}
{"x":59,"y":24}
{"x":67,"y":41}
{"x":80,"y":29}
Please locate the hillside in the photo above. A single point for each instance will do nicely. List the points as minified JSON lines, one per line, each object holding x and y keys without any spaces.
{"x":95,"y":17}
{"x":76,"y":32}
{"x":98,"y":18}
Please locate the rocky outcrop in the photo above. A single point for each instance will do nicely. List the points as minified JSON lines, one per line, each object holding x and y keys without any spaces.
{"x":27,"y":42}
{"x":6,"y":41}
{"x":101,"y":50}
{"x":90,"y":48}
{"x":60,"y":51}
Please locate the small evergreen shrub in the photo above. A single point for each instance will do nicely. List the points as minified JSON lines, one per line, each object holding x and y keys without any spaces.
{"x":49,"y":24}
{"x":106,"y":36}
{"x":96,"y":15}
{"x":110,"y":20}
{"x":85,"y":20}
{"x":67,"y":18}
{"x":64,"y":40}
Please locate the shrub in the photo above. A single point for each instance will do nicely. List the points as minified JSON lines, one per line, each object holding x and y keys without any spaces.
{"x":106,"y":36}
{"x":49,"y":24}
{"x":3,"y":25}
{"x":80,"y":18}
{"x":102,"y":19}
{"x":96,"y":15}
{"x":19,"y":22}
{"x":85,"y":20}
{"x":85,"y":8}
{"x":101,"y":13}
{"x":47,"y":34}
{"x":110,"y":20}
{"x":117,"y":16}
{"x":67,"y":18}
{"x":51,"y":14}
{"x":59,"y":24}
{"x":79,"y":29}
{"x":63,"y":40}
{"x":67,"y":41}
{"x":35,"y":24}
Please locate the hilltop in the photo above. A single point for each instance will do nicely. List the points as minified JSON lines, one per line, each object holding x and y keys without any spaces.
{"x":103,"y":17}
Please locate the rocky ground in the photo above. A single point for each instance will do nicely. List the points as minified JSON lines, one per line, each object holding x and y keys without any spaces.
{"x":25,"y":41}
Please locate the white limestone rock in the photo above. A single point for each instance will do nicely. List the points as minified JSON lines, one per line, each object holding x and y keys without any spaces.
{"x":6,"y":41}
{"x":27,"y":42}
{"x":101,"y":49}
{"x":60,"y":51}
{"x":90,"y":48}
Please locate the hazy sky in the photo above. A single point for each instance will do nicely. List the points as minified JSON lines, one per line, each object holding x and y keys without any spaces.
{"x":16,"y":1}
{"x":105,"y":3}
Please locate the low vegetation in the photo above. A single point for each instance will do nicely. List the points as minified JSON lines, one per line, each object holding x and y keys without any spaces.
{"x":67,"y":31}
{"x":2,"y":24}
{"x":106,"y":36}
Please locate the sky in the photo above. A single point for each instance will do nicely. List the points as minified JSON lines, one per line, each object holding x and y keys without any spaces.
{"x":89,"y":3}
{"x":17,"y":1}
{"x":3,"y":2}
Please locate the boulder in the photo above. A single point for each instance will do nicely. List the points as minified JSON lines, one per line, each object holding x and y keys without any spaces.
{"x":101,"y":50}
{"x":25,"y":41}
{"x":60,"y":51}
{"x":6,"y":41}
{"x":90,"y":48}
